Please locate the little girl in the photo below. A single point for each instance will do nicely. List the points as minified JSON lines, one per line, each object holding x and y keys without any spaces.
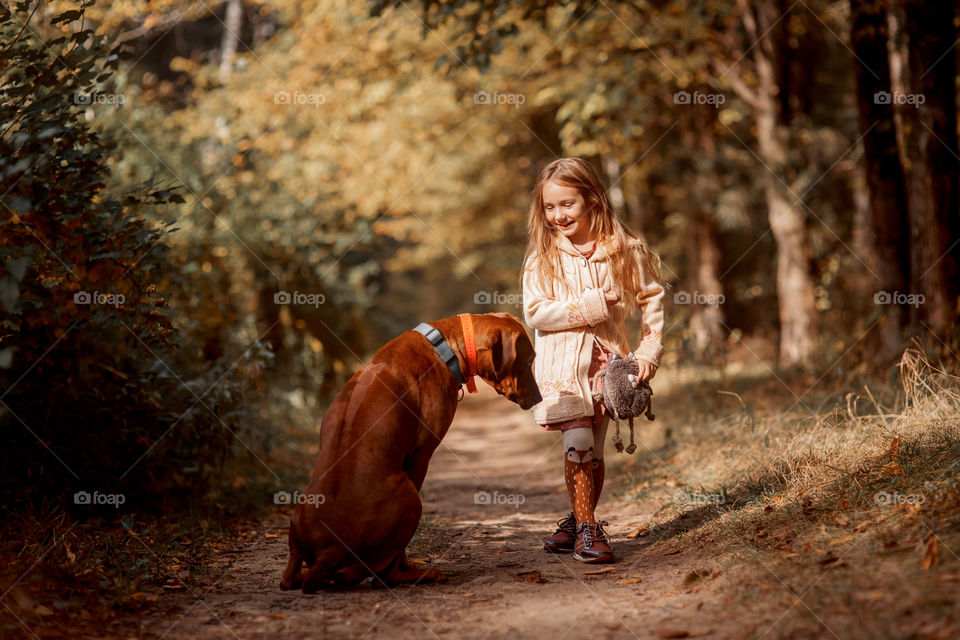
{"x":583,"y":272}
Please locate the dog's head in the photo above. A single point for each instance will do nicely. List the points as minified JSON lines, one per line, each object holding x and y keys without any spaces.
{"x":505,"y":358}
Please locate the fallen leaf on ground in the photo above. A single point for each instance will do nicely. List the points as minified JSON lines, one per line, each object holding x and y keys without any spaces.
{"x":694,"y":576}
{"x":532,"y":576}
{"x":931,"y":554}
{"x":639,"y":531}
{"x":598,"y":572}
{"x":146,"y":597}
{"x":891,"y":469}
{"x":416,"y":561}
{"x":894,"y":446}
{"x":831,"y":562}
{"x":629,"y":581}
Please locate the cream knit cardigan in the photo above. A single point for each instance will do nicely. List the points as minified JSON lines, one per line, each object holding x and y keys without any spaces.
{"x":566,"y":324}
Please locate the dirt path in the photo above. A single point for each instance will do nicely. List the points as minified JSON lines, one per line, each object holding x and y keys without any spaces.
{"x":501,"y":583}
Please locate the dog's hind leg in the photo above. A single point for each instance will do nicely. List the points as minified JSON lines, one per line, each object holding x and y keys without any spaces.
{"x":322,"y":571}
{"x":350,"y":575}
{"x":400,"y":572}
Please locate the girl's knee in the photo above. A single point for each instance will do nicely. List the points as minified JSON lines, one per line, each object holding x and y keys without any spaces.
{"x":576,"y":442}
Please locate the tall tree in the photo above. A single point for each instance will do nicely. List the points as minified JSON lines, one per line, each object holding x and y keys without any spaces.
{"x":703,"y":248}
{"x":787,"y":220}
{"x":883,"y":173}
{"x":928,"y":115}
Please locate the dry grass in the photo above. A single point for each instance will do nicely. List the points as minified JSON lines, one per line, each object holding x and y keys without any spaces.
{"x":818,"y":511}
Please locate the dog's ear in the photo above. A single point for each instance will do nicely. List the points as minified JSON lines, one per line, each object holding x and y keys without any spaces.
{"x":504,"y":352}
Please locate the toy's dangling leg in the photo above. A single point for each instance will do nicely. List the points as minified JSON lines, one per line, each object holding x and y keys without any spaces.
{"x":633,"y":446}
{"x":617,"y":442}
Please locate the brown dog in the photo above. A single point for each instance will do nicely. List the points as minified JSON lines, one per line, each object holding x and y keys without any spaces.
{"x":362,"y":504}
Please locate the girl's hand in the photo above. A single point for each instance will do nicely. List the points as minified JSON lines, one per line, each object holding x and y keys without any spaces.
{"x":611,"y":296}
{"x":647,"y":370}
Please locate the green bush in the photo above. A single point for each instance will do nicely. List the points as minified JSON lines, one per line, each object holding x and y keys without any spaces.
{"x":94,"y":395}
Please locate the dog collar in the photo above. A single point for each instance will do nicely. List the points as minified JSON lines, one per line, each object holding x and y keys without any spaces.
{"x":470,"y":343}
{"x":435,"y":338}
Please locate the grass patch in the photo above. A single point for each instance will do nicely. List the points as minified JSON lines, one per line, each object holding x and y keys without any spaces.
{"x":819,"y":504}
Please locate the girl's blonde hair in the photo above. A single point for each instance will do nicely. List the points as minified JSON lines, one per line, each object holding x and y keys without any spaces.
{"x":543,"y":254}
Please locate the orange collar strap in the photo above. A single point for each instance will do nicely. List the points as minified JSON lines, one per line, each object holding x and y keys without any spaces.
{"x":470,"y":343}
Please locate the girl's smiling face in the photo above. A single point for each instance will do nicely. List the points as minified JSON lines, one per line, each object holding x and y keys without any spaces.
{"x":567,"y":212}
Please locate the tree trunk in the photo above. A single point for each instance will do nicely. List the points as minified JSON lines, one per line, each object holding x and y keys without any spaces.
{"x":233,"y":21}
{"x":927,"y":111}
{"x":633,"y":213}
{"x":611,"y":166}
{"x":795,"y":294}
{"x":703,"y":248}
{"x":703,"y":267}
{"x":882,"y":171}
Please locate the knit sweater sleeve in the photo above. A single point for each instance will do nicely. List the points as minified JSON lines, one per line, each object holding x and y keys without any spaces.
{"x":547,"y":314}
{"x":649,"y":301}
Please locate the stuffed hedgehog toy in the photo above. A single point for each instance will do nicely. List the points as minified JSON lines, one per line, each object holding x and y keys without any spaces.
{"x":624,"y":396}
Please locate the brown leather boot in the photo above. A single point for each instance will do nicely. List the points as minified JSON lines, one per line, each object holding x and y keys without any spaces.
{"x":562,"y":539}
{"x":591,"y":545}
